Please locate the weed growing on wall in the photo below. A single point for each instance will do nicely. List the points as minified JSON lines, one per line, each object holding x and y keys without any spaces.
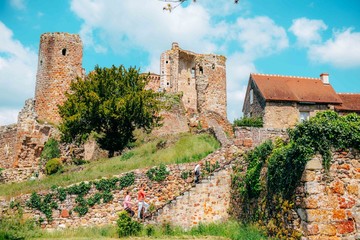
{"x":266,"y":195}
{"x":51,"y":150}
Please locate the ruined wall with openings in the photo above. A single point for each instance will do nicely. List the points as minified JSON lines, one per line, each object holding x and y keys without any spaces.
{"x":200,"y":77}
{"x":60,"y":62}
{"x":7,"y":145}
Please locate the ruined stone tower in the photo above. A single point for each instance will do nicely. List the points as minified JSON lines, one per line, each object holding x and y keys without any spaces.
{"x":200,"y":77}
{"x":60,"y":62}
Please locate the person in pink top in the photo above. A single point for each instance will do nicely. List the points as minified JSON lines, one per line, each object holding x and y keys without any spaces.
{"x":141,"y":201}
{"x":128,"y":204}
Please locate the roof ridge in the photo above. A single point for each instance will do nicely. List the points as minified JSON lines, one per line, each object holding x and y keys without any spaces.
{"x":348,"y":93}
{"x":278,"y":75}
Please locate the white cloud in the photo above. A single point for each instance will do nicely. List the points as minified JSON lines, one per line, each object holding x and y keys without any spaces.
{"x":8,"y":116}
{"x":120,"y":25}
{"x":260,"y":36}
{"x":17,"y":67}
{"x":307,"y":30}
{"x":343,"y":50}
{"x":18,"y":4}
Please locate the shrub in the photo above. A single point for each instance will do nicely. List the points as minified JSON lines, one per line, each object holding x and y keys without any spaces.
{"x":157,"y":173}
{"x":53,"y":166}
{"x":127,"y":226}
{"x":15,"y":227}
{"x":248,"y":122}
{"x":51,"y":150}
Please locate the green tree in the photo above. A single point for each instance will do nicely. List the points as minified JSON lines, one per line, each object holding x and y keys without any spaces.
{"x":111,"y":102}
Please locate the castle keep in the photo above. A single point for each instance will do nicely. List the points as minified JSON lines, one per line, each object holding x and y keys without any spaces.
{"x":60,"y":62}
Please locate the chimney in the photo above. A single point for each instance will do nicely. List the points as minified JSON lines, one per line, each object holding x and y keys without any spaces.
{"x":325,"y":78}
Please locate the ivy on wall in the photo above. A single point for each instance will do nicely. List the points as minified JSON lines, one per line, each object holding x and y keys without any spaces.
{"x":266,"y":196}
{"x":47,"y":203}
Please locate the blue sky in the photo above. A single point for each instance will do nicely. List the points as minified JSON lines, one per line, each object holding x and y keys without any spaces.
{"x":286,"y":37}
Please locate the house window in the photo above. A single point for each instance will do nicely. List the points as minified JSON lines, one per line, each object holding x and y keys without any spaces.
{"x":304,"y":116}
{"x":193,"y":73}
{"x":251,"y":96}
{"x":188,"y":81}
{"x":201,"y":70}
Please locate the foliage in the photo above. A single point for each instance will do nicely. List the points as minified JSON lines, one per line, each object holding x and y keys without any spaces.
{"x":248,"y":122}
{"x":82,"y":207}
{"x":186,"y":174}
{"x":16,"y":228}
{"x":157,"y":173}
{"x":111,"y":102}
{"x":127,"y":155}
{"x":269,"y":199}
{"x":107,"y":196}
{"x":127,"y":226}
{"x":53,"y":166}
{"x":209,"y":167}
{"x":127,"y":180}
{"x":94,"y":199}
{"x":51,"y":150}
{"x":45,"y":205}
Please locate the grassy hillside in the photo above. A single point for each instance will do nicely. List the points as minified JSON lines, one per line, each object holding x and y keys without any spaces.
{"x":172,"y":149}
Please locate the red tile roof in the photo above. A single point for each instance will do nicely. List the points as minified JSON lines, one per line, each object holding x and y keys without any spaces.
{"x":295,"y":89}
{"x":350,"y":102}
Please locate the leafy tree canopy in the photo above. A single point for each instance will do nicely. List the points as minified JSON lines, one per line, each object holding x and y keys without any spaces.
{"x":110,"y":102}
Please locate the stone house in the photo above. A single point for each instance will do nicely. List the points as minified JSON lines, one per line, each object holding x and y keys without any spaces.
{"x":283,"y":101}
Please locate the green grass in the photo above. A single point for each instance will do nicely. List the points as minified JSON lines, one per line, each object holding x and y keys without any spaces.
{"x":228,"y":230}
{"x":183,"y":148}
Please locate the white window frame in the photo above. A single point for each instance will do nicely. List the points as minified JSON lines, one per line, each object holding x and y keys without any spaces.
{"x":304,"y":115}
{"x":251,"y":96}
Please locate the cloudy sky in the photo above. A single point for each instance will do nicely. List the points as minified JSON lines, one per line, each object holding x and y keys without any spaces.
{"x":286,"y":37}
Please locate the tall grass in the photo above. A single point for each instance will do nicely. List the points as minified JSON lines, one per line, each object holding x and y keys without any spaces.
{"x":227,"y":230}
{"x":188,"y":148}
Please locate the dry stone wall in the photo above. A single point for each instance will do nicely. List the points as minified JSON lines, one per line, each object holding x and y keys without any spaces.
{"x":7,"y":145}
{"x":159,"y":194}
{"x":329,"y":202}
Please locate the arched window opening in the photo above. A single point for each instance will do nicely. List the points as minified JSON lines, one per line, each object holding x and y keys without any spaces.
{"x":64,"y":52}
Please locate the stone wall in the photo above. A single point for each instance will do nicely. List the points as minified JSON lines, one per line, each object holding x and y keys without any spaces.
{"x":287,"y":114}
{"x":60,"y":62}
{"x":208,"y":202}
{"x":256,"y":108}
{"x":7,"y":145}
{"x":329,"y":203}
{"x":251,"y":136}
{"x":158,"y":194}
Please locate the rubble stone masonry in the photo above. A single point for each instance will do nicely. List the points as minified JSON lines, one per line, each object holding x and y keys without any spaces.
{"x":7,"y":145}
{"x":329,"y":202}
{"x":60,"y":62}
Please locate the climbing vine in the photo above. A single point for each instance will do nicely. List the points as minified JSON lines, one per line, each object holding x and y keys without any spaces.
{"x":267,"y":194}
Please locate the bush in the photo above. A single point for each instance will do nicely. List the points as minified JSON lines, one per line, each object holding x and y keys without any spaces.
{"x":53,"y":166}
{"x":16,"y":227}
{"x":51,"y":150}
{"x":248,"y":122}
{"x":127,"y":226}
{"x":157,"y":173}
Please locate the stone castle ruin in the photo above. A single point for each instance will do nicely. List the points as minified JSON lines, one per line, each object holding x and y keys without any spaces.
{"x":200,"y":78}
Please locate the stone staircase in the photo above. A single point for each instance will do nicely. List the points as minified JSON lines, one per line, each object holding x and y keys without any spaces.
{"x":205,"y":202}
